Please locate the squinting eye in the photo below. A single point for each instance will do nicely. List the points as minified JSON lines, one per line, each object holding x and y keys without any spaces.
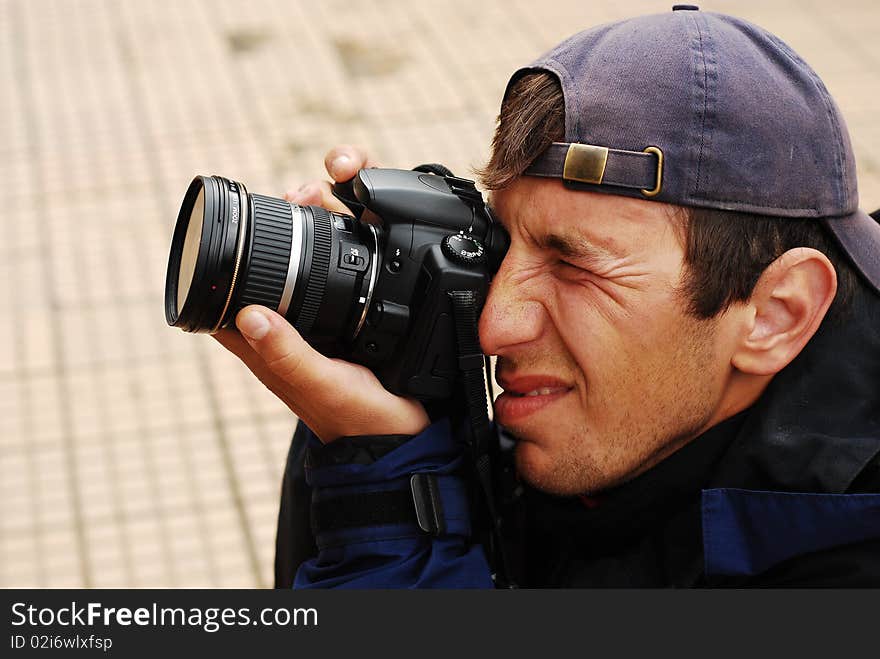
{"x":570,"y":271}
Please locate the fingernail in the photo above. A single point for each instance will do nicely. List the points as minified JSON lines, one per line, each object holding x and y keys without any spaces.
{"x":253,"y":324}
{"x":337,"y":163}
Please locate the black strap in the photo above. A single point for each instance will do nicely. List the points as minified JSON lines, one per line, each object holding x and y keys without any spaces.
{"x":419,"y":505}
{"x":371,"y":509}
{"x":294,"y":543}
{"x":359,"y":449}
{"x":466,"y":308}
{"x":434,"y":168}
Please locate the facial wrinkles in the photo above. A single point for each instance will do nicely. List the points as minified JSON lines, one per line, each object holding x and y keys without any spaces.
{"x":586,"y":274}
{"x":613,"y":328}
{"x":629,"y":272}
{"x":531,"y":266}
{"x":618,"y":294}
{"x":586,"y":257}
{"x":644,"y":282}
{"x":602,"y":268}
{"x":610,"y":297}
{"x":534,"y":265}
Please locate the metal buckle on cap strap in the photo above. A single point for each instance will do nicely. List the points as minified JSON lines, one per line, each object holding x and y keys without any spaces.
{"x":590,"y":164}
{"x":585,"y":163}
{"x":659,"y":184}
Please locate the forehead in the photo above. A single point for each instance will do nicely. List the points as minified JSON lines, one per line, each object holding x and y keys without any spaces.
{"x":616,"y":225}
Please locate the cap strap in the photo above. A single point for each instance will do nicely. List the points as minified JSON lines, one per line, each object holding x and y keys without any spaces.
{"x":599,"y":165}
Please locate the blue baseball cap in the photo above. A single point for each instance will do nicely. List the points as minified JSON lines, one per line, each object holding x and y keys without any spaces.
{"x":706,"y":110}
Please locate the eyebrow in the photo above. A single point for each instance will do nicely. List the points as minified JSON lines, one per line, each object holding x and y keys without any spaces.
{"x":576,"y":247}
{"x":569,"y":246}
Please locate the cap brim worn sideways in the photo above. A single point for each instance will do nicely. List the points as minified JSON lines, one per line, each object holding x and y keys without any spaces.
{"x":859,"y":235}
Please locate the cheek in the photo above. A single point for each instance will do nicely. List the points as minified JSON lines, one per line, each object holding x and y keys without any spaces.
{"x":583,"y":318}
{"x":586,"y":311}
{"x":623,"y":352}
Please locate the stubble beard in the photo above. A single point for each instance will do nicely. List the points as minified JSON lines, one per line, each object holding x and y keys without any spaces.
{"x":586,"y":464}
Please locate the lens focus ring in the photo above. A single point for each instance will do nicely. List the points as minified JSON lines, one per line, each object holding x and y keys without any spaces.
{"x":270,"y":253}
{"x":323,"y":238}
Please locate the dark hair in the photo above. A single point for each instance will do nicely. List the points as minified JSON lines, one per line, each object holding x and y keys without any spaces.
{"x":725,"y":251}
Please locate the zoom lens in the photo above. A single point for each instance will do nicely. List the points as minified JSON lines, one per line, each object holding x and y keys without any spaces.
{"x":231,"y":249}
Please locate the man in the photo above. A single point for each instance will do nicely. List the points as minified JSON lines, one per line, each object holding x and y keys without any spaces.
{"x":685,"y":326}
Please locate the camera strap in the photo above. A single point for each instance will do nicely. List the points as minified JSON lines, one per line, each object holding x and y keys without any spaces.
{"x":466,"y":307}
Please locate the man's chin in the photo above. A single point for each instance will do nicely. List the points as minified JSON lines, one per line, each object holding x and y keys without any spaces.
{"x":539,"y":469}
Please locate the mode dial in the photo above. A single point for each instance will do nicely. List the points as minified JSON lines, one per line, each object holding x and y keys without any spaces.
{"x":464,"y":249}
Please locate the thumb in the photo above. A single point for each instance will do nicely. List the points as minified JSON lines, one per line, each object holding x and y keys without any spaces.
{"x":344,"y":161}
{"x":281,"y":347}
{"x":309,"y":383}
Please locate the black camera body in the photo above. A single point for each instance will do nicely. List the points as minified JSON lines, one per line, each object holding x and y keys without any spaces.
{"x":437,"y":236}
{"x":372,"y":288}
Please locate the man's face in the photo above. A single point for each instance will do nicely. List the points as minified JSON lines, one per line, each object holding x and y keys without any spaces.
{"x":604,"y":371}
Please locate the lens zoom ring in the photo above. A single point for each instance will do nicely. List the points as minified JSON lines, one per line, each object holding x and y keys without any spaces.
{"x":270,"y":252}
{"x":320,"y":267}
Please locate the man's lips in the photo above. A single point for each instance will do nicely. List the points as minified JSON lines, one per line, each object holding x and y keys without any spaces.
{"x":526,"y":395}
{"x":526,"y":385}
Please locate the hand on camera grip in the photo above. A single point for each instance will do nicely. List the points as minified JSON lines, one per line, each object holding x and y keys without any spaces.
{"x":333,"y":397}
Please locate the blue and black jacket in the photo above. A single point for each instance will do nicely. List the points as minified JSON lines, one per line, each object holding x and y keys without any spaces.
{"x":786,"y":493}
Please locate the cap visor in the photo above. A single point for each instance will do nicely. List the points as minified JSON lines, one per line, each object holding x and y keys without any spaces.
{"x":859,"y":235}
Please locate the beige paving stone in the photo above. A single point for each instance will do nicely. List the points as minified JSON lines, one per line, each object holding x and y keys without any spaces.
{"x":11,"y":413}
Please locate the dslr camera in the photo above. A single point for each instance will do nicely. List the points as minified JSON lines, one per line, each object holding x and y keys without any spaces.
{"x":372,"y":287}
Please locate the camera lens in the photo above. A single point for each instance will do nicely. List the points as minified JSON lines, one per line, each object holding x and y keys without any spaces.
{"x":231,"y":248}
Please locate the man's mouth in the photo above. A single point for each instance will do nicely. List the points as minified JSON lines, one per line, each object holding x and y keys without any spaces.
{"x":527,"y":395}
{"x":542,"y":391}
{"x":531,"y":385}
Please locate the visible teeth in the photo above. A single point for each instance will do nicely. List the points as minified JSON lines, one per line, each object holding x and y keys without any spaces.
{"x":543,"y":391}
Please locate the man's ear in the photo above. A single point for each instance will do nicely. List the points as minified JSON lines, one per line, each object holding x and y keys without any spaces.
{"x":786,"y":308}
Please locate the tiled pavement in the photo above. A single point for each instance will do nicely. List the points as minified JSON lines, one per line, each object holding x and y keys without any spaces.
{"x":135,"y":455}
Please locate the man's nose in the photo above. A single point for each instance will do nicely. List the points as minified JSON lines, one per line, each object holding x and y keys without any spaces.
{"x":511,"y":315}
